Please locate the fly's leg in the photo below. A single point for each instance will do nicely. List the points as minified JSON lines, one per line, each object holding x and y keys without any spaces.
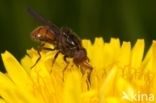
{"x":89,"y":77}
{"x":88,"y":72}
{"x":56,"y":55}
{"x":41,"y":47}
{"x":49,"y":49}
{"x":67,"y":63}
{"x":38,"y":52}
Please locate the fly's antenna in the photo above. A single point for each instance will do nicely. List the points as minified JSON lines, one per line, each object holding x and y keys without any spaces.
{"x":44,"y":21}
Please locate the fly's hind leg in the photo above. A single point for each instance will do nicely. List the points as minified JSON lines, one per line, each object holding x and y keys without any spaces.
{"x":41,"y":47}
{"x":38,"y":51}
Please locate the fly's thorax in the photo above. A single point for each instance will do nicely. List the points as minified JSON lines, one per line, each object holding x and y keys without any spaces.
{"x":68,"y":39}
{"x":68,"y":43}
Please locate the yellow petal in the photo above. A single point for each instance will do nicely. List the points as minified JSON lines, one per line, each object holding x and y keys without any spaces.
{"x":16,"y":72}
{"x":118,"y":74}
{"x":97,"y":56}
{"x":108,"y":85}
{"x":137,"y":53}
{"x":2,"y":100}
{"x":124,"y":57}
{"x":72,"y":88}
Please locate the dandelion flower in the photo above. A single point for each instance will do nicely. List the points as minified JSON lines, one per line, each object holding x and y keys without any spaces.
{"x":121,"y":74}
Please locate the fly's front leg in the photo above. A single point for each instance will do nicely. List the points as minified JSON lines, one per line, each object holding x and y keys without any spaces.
{"x":88,"y":71}
{"x":89,"y":77}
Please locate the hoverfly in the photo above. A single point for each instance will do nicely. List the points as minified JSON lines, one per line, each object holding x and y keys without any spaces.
{"x":65,"y":41}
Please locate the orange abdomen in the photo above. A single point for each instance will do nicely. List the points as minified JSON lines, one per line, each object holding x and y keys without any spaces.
{"x":43,"y":34}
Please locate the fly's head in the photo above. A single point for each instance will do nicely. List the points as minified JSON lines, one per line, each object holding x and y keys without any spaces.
{"x":80,"y":58}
